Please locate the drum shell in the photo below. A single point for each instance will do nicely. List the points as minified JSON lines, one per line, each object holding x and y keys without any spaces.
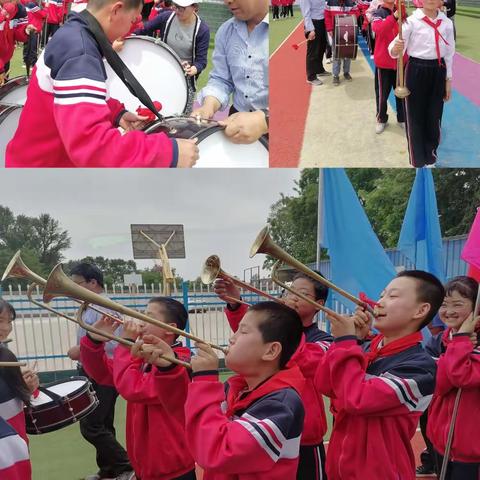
{"x":11,"y":89}
{"x":345,"y":26}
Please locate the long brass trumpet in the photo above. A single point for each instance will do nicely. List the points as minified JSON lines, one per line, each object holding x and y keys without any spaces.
{"x":264,"y":244}
{"x":212,"y":270}
{"x":13,"y":364}
{"x":401,"y":91}
{"x":58,"y":284}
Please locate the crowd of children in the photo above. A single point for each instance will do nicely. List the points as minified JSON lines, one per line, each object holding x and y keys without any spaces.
{"x":268,"y":420}
{"x":282,"y":9}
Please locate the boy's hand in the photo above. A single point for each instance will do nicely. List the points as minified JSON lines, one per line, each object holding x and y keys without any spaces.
{"x":150,"y":348}
{"x":188,"y":152}
{"x":117,"y":45}
{"x":468,"y":326}
{"x":448,"y":90}
{"x":131,"y":121}
{"x":31,"y":379}
{"x":397,"y":49}
{"x":245,"y":127}
{"x":363,"y":321}
{"x":342,"y":325}
{"x":131,"y":329}
{"x":205,"y":359}
{"x":226,"y":288}
{"x":105,"y":324}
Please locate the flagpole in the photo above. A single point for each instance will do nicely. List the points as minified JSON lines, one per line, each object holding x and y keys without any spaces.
{"x":319,"y":217}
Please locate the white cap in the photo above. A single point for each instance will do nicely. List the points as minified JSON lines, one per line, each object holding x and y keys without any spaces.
{"x":185,"y":3}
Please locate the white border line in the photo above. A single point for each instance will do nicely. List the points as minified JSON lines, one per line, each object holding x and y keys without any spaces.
{"x":286,"y":39}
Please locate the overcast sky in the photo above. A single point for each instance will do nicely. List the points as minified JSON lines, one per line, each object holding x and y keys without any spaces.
{"x":221,"y":210}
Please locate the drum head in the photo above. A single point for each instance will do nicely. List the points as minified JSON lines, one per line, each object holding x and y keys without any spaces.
{"x":9,"y":118}
{"x":15,"y":91}
{"x":159,"y":71}
{"x":67,"y":388}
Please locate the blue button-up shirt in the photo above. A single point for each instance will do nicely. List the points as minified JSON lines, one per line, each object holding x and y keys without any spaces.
{"x":240,"y":66}
{"x":312,"y":10}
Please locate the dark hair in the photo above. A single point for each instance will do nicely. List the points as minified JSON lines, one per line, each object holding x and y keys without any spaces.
{"x":167,"y":3}
{"x":5,"y":305}
{"x":174,"y":311}
{"x":321,"y":291}
{"x":13,"y":377}
{"x":89,"y":272}
{"x":429,"y":290}
{"x":282,"y":324}
{"x":467,"y":287}
{"x":99,"y":4}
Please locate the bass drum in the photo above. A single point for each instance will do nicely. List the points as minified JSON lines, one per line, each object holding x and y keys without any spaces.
{"x":14,"y":91}
{"x":345,"y":43}
{"x":216,"y":150}
{"x":9,"y":118}
{"x":158,"y":69}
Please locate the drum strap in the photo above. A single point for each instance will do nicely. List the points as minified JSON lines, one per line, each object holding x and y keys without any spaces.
{"x":117,"y":64}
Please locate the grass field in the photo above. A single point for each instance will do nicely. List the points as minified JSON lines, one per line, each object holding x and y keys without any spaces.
{"x":468,"y":33}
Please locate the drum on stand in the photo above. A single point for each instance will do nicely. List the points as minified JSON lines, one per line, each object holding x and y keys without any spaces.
{"x":159,"y":70}
{"x":14,"y":91}
{"x":60,"y":404}
{"x":216,"y":150}
{"x":345,"y":37}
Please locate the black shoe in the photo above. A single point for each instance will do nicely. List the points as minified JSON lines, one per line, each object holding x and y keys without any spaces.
{"x":424,"y":471}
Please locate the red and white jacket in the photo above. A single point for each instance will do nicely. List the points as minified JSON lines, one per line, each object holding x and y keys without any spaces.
{"x":36,"y":15}
{"x":376,"y":409}
{"x":13,"y":22}
{"x":14,"y":456}
{"x":311,"y":350}
{"x":338,"y":7}
{"x":70,"y":118}
{"x":56,"y":11}
{"x":458,"y":367}
{"x":155,"y":407}
{"x":245,"y":436}
{"x":12,"y":410}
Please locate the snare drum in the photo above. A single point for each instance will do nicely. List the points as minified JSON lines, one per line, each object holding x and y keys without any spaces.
{"x":14,"y":91}
{"x":345,"y":37}
{"x":159,"y":70}
{"x":60,"y":404}
{"x":216,"y":150}
{"x":9,"y":118}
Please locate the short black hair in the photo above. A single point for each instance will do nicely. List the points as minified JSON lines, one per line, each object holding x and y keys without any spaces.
{"x":429,"y":290}
{"x":88,"y":271}
{"x":467,"y":287}
{"x":175,"y":312}
{"x":167,"y":3}
{"x":280,"y":324}
{"x":321,"y":290}
{"x":4,"y":305}
{"x":13,"y":377}
{"x":99,"y":4}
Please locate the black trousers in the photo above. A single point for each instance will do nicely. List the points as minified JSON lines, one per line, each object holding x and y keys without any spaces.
{"x":458,"y":470}
{"x":98,"y":429}
{"x":147,"y":8}
{"x":385,"y":82}
{"x":290,"y":10}
{"x":316,"y":50}
{"x":276,"y":11}
{"x":30,"y":48}
{"x":427,"y":457}
{"x":424,"y":109}
{"x":311,"y":464}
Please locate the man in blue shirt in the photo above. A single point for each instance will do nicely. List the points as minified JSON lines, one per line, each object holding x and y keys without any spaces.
{"x":240,"y":69}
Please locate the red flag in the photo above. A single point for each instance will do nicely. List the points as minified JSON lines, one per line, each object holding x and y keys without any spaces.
{"x":471,"y":250}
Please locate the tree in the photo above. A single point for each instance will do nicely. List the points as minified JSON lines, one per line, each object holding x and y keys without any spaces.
{"x":113,"y":269}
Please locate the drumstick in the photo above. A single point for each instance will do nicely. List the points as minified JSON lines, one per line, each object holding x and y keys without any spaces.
{"x":296,"y":46}
{"x":13,"y":364}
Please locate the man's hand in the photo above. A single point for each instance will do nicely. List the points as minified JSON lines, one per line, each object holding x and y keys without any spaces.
{"x":118,"y":44}
{"x":468,"y":326}
{"x":245,"y":127}
{"x":31,"y":379}
{"x":150,"y":348}
{"x":74,"y":353}
{"x":190,"y":70}
{"x":397,"y":49}
{"x":188,"y":152}
{"x":226,"y":288}
{"x":2,"y":78}
{"x":448,"y":90}
{"x":105,"y":324}
{"x":311,"y":36}
{"x":205,"y":359}
{"x":131,"y":121}
{"x":132,"y":329}
{"x":204,"y":112}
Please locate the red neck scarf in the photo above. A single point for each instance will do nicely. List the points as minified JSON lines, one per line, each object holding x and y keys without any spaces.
{"x":392,"y":348}
{"x":238,"y":399}
{"x":437,"y":35}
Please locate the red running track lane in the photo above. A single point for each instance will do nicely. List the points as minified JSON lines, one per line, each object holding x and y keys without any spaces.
{"x":289,"y":101}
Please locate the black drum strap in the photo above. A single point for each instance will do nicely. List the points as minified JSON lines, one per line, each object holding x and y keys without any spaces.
{"x":117,"y":64}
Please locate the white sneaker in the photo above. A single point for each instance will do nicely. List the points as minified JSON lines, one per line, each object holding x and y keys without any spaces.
{"x":329,"y":61}
{"x":380,"y":128}
{"x":316,"y":82}
{"x":402,"y":125}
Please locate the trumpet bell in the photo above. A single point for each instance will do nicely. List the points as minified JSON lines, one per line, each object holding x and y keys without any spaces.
{"x":59,"y":285}
{"x":260,"y":243}
{"x":17,"y":269}
{"x":211,"y":269}
{"x":401,"y":92}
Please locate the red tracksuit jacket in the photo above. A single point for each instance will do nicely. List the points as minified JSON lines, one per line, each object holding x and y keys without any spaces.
{"x":14,"y":457}
{"x":376,"y":408}
{"x":338,"y":7}
{"x":12,"y":411}
{"x":458,"y":367}
{"x":70,"y":118}
{"x":156,"y":443}
{"x":36,"y":15}
{"x":314,"y":344}
{"x":254,"y":436}
{"x":56,"y":11}
{"x":12,"y":29}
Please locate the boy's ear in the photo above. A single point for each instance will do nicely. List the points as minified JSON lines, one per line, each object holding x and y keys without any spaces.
{"x":273,"y":352}
{"x":422,"y":311}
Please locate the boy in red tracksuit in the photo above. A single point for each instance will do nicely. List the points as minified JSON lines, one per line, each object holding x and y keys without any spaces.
{"x":36,"y":18}
{"x":458,"y":367}
{"x":379,"y":389}
{"x":14,"y":455}
{"x":154,"y":388}
{"x":68,"y":96}
{"x":252,"y":431}
{"x":313,"y":346}
{"x":56,"y":11}
{"x":332,"y":9}
{"x":385,"y":27}
{"x":14,"y":27}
